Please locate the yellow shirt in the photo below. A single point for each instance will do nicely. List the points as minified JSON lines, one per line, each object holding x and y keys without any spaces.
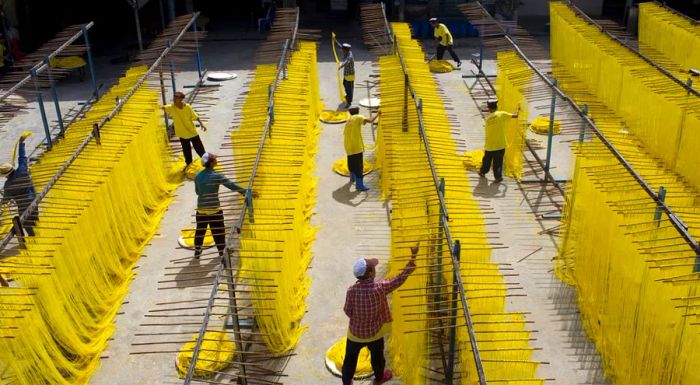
{"x":381,"y":333}
{"x":444,"y":33}
{"x":353,"y":135}
{"x":496,"y":130}
{"x":183,"y":120}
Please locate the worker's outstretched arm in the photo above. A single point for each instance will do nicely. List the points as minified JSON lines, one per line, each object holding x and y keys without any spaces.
{"x":392,"y":284}
{"x":517,"y":112}
{"x":22,"y":161}
{"x":234,"y":187}
{"x":371,"y":120}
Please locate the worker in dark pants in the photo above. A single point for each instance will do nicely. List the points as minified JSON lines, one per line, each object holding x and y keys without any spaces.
{"x":209,"y":212}
{"x":183,"y":116}
{"x":495,"y":140}
{"x":354,"y":145}
{"x":367,"y":307}
{"x":348,"y":67}
{"x":19,"y":187}
{"x":443,"y":41}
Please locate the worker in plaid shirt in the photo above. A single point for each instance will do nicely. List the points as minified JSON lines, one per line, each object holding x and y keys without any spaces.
{"x":348,"y":66}
{"x":367,"y":307}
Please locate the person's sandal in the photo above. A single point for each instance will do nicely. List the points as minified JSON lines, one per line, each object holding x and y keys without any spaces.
{"x":388,"y":375}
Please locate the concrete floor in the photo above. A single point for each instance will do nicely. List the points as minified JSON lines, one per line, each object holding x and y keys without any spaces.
{"x":352,"y":225}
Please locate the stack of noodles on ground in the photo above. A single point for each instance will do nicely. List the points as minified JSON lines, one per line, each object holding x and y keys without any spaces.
{"x":622,"y":86}
{"x":406,"y":179}
{"x":637,"y":290}
{"x":634,"y":276}
{"x":671,"y":38}
{"x":512,"y":85}
{"x":276,"y":249}
{"x":73,"y":275}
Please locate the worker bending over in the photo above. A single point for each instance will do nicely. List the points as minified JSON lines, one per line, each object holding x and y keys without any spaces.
{"x":443,"y":41}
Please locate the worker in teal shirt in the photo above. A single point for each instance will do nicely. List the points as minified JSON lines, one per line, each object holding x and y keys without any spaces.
{"x":209,"y":212}
{"x":20,"y":188}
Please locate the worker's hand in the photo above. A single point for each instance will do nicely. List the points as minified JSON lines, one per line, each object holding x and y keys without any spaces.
{"x":204,"y":128}
{"x":414,"y":250}
{"x":253,"y":193}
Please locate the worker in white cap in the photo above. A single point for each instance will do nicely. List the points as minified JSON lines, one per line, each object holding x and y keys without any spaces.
{"x":209,"y":212}
{"x":495,"y":139}
{"x":443,"y":41}
{"x":19,"y":187}
{"x":367,"y":307}
{"x":348,"y":67}
{"x":183,"y":116}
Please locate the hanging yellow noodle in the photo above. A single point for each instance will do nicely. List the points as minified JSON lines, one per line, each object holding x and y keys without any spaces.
{"x":276,"y":249}
{"x":634,"y":276}
{"x":338,"y":73}
{"x":669,"y":37}
{"x":658,"y":111}
{"x":94,"y":222}
{"x":406,"y":179}
{"x":514,"y":76}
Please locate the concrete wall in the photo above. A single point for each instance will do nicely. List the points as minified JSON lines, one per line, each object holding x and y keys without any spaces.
{"x":541,"y":7}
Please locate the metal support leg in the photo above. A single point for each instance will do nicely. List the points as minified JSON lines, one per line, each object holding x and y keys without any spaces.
{"x":582,"y":132}
{"x":96,"y":133}
{"x":172,"y":71}
{"x":249,"y":205}
{"x":54,"y":95}
{"x":233,"y":311}
{"x":19,"y":231}
{"x":137,"y":20}
{"x":91,"y":67}
{"x":659,"y":209}
{"x":198,"y":58}
{"x":162,"y":98}
{"x":171,"y":10}
{"x":404,"y":126}
{"x":550,"y":134}
{"x":449,"y":371}
{"x":40,"y":100}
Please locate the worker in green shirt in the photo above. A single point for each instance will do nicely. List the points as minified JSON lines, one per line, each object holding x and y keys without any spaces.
{"x":209,"y":212}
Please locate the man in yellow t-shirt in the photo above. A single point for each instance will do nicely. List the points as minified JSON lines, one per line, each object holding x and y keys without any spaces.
{"x":443,"y":41}
{"x":183,"y":116}
{"x":354,"y":146}
{"x":495,"y":140}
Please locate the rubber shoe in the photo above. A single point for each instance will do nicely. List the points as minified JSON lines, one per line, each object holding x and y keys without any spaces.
{"x":459,"y":64}
{"x":482,"y":175}
{"x":498,"y":180}
{"x":359,"y":185}
{"x":388,"y":375}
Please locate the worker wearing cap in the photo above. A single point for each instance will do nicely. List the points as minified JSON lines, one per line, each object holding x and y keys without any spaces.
{"x":348,"y":66}
{"x":495,"y":139}
{"x":443,"y":41}
{"x":209,"y":212}
{"x":367,"y":307}
{"x":183,"y":116}
{"x":354,"y":146}
{"x":19,"y":187}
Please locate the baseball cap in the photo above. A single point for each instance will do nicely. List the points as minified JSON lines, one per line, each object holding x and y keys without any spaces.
{"x":206,"y":158}
{"x":6,"y":169}
{"x":362,"y":264}
{"x":346,"y":45}
{"x":492,"y":102}
{"x":432,"y":20}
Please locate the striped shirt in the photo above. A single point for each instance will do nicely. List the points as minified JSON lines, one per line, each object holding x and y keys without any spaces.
{"x":349,"y":67}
